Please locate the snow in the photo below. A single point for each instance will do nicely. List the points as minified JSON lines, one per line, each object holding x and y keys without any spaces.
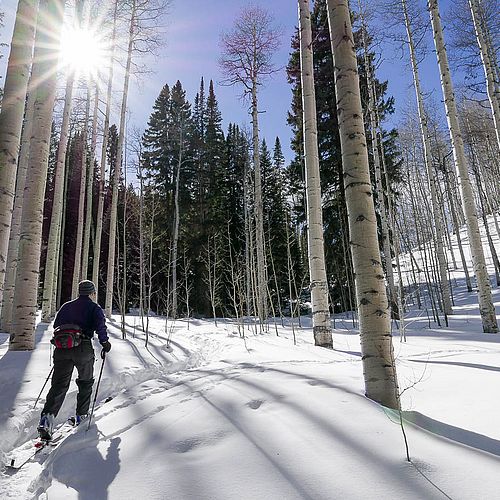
{"x":218,"y":416}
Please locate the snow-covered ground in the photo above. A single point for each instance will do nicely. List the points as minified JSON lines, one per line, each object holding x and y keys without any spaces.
{"x":217,"y":416}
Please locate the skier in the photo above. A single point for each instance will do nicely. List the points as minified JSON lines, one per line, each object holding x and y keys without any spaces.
{"x":86,"y":314}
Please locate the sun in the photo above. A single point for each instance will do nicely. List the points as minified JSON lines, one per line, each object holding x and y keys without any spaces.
{"x":84,"y":52}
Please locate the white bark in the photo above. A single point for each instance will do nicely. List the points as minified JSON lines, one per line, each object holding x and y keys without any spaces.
{"x":492,"y":86}
{"x":53,"y":245}
{"x":11,"y":119}
{"x":116,"y":178}
{"x":374,"y":320}
{"x":259,"y":211}
{"x":10,"y":277}
{"x":426,"y":143}
{"x":175,"y":231}
{"x":90,"y":186}
{"x":486,"y":307}
{"x":386,"y":243}
{"x":316,"y":249}
{"x":100,"y":202}
{"x":44,"y":61}
{"x":77,"y":267}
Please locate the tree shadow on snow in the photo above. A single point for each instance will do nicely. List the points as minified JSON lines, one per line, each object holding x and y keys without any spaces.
{"x":456,"y":434}
{"x":458,"y":363}
{"x":13,"y":365}
{"x":357,"y":446}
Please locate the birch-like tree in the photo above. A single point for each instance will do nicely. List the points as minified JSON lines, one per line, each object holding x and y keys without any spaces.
{"x":90,"y":186}
{"x":486,"y":306}
{"x":100,"y":195}
{"x":77,"y":266}
{"x":15,"y":230}
{"x":11,"y":119}
{"x":246,"y":60}
{"x":48,"y":305}
{"x":377,"y":164}
{"x":431,"y":176}
{"x":316,"y":250}
{"x":143,"y":37}
{"x":45,"y":59}
{"x":373,"y":308}
{"x":492,"y":84}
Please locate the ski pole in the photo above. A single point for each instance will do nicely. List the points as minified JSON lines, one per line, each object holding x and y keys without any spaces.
{"x":46,"y":380}
{"x":103,"y":356}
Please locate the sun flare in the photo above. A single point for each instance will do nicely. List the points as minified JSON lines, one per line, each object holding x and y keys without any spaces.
{"x":83,"y":51}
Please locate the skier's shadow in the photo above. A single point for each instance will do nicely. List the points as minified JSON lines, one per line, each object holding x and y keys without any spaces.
{"x":84,"y":469}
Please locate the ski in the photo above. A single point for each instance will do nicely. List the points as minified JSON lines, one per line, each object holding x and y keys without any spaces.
{"x":34,"y":449}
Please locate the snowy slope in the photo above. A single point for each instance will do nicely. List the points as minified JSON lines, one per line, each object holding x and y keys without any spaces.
{"x":216,"y":416}
{"x":221,"y":417}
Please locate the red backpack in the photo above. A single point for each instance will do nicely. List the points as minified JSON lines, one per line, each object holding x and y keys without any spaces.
{"x":67,"y":336}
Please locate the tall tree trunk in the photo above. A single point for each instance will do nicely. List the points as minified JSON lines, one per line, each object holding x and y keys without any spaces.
{"x":12,"y":256}
{"x":11,"y":119}
{"x":118,"y":168}
{"x":316,"y":250}
{"x":43,"y":72}
{"x":56,"y":303}
{"x":141,"y":239}
{"x":90,"y":184}
{"x":491,"y":83}
{"x":386,"y":243}
{"x":175,"y":231}
{"x":259,"y":212}
{"x":456,"y":225}
{"x":78,"y":264}
{"x":248,"y":245}
{"x":100,"y":198}
{"x":374,"y":320}
{"x":486,"y":307}
{"x":426,"y":143}
{"x":123,"y":305}
{"x":53,"y":245}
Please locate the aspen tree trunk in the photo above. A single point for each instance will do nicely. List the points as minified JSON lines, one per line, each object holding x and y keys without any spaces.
{"x":456,"y":227}
{"x":175,"y":232}
{"x":486,"y":307}
{"x":397,"y":243}
{"x":90,"y":184}
{"x":58,"y":291}
{"x":78,"y":264}
{"x":53,"y":245}
{"x":123,"y":305}
{"x":259,"y":215}
{"x":316,"y":249}
{"x":248,"y":246}
{"x":386,"y":244}
{"x":374,"y":320}
{"x":426,"y":143}
{"x":11,"y":119}
{"x":116,"y":179}
{"x":141,"y":239}
{"x":43,"y":72}
{"x":491,"y":83}
{"x":100,"y":202}
{"x":10,"y":277}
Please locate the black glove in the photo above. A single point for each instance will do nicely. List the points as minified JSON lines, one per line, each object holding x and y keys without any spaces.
{"x":106,"y":347}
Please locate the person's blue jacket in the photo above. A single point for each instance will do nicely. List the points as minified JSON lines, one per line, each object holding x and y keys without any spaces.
{"x":84,"y":312}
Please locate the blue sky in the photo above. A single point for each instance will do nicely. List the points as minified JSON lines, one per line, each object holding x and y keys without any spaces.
{"x":192,"y":48}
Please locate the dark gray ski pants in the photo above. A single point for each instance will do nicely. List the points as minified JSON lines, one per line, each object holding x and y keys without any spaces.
{"x":65,"y":360}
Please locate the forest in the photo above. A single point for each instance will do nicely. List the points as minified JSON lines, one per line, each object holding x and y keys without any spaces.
{"x":365,"y":215}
